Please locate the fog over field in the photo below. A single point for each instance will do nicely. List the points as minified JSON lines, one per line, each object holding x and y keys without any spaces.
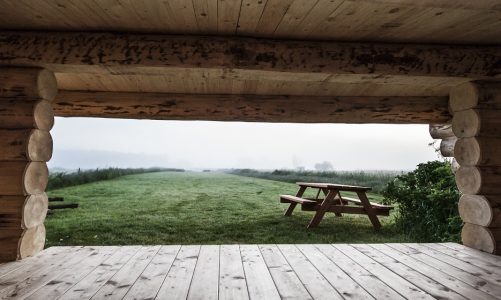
{"x":94,"y":142}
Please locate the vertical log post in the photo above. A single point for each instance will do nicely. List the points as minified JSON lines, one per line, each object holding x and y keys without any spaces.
{"x":476,"y":109}
{"x":26,"y":117}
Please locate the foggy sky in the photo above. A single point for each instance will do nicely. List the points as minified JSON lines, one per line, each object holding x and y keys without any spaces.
{"x":94,"y":142}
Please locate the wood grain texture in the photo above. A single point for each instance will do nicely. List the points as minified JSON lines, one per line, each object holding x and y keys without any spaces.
{"x":441,"y":131}
{"x":482,"y":180}
{"x":252,"y":107}
{"x":23,"y":178}
{"x":481,"y":238}
{"x":16,"y":114}
{"x":478,"y":94}
{"x":86,"y":50}
{"x":476,"y":122}
{"x":481,"y":210}
{"x":25,"y":145}
{"x":27,"y":83}
{"x":23,"y":211}
{"x":480,"y":151}
{"x":444,"y":21}
{"x":447,"y":146}
{"x":361,"y":271}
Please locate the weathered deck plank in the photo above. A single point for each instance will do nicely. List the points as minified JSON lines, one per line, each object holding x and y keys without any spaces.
{"x":259,"y":281}
{"x":59,"y":285}
{"x":358,"y":271}
{"x":438,"y":275}
{"x":177,"y":283}
{"x":149,"y":282}
{"x":232,"y":283}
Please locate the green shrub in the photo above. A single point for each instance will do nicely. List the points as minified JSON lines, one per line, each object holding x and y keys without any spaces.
{"x":427,"y":202}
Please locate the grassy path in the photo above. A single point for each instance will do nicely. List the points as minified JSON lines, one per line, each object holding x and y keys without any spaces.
{"x":196,"y":208}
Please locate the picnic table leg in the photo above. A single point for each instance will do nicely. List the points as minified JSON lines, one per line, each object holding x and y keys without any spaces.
{"x":293,"y":205}
{"x":369,"y":210}
{"x":322,"y":209}
{"x":326,"y":191}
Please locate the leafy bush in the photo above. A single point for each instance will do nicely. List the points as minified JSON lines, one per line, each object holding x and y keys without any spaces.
{"x":61,"y":179}
{"x":428,"y":202}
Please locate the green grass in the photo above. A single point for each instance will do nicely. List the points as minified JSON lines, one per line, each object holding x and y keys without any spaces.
{"x":196,"y":208}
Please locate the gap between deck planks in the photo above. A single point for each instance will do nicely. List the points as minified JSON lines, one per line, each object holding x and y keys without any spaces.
{"x":305,"y":271}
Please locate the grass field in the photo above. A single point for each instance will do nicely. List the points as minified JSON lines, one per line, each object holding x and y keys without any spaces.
{"x":196,"y":208}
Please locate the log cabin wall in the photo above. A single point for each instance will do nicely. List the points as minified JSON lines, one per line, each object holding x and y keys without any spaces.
{"x":26,"y":117}
{"x":476,"y":108}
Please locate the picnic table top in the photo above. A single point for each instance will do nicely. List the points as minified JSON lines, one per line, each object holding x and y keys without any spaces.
{"x":332,"y":186}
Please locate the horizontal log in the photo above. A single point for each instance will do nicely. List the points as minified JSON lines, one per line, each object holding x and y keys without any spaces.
{"x":70,"y":52}
{"x":252,"y":108}
{"x":25,"y":145}
{"x":476,"y":122}
{"x":19,"y":244}
{"x":483,"y":180}
{"x":27,"y":83}
{"x":21,"y":178}
{"x":447,"y":146}
{"x":16,"y":114}
{"x":441,"y":131}
{"x":23,"y":211}
{"x":480,"y":151}
{"x":481,"y":210}
{"x":482,"y":238}
{"x":478,"y":94}
{"x":9,"y":241}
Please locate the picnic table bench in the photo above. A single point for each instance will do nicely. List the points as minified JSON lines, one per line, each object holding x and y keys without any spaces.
{"x":334,"y":202}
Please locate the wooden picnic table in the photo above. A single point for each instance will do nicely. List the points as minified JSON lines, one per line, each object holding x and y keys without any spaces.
{"x":334,"y":202}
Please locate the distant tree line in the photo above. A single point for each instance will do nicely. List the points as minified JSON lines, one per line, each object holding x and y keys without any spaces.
{"x":64,"y":179}
{"x":377,"y":180}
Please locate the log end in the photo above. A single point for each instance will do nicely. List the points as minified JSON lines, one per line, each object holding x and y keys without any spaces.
{"x":36,"y":177}
{"x":40,"y":146}
{"x":466,"y":123}
{"x":47,"y":85}
{"x":463,"y":96}
{"x":478,"y":237}
{"x":467,"y":151}
{"x":475,"y":209}
{"x":43,"y":116}
{"x":31,"y":242}
{"x":468,"y":180}
{"x":35,"y":210}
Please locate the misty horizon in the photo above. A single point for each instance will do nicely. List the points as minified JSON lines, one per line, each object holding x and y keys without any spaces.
{"x":90,"y":143}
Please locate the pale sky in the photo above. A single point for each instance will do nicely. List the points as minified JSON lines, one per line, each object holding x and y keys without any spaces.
{"x":94,"y":142}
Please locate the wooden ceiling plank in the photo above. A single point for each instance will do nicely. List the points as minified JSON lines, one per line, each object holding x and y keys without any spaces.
{"x":184,"y":14}
{"x":297,"y":11}
{"x":250,"y":15}
{"x":466,"y":4}
{"x":253,"y":108}
{"x":316,"y":16}
{"x":206,"y":15}
{"x":228,"y":12}
{"x":273,"y":14}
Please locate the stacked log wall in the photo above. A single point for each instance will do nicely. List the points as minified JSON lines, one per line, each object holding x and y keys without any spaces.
{"x":476,"y":109}
{"x":26,"y":118}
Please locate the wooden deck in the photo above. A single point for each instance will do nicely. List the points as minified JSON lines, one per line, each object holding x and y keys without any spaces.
{"x":339,"y":271}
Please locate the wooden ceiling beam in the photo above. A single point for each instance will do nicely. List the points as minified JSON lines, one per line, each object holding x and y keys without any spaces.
{"x":86,"y":52}
{"x":253,"y":108}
